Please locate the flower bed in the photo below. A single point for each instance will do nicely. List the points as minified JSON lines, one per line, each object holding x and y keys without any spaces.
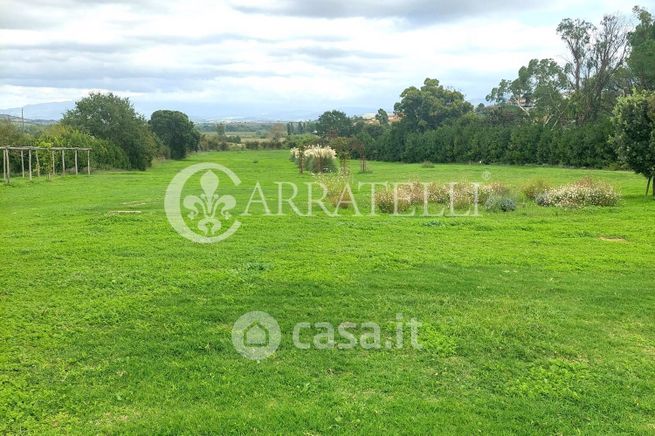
{"x":584,"y":192}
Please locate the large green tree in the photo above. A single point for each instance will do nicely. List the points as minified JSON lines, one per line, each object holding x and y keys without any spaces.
{"x":334,"y":123}
{"x":175,"y":131}
{"x":538,"y":91}
{"x":596,"y":59}
{"x":11,"y":135}
{"x":430,"y":106}
{"x":642,"y":56}
{"x":110,"y":117}
{"x":382,"y":117}
{"x":634,"y":121}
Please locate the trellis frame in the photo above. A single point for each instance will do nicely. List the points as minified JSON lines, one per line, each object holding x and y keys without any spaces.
{"x":6,"y":167}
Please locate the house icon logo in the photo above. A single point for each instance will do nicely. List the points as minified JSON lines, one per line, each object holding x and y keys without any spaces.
{"x":256,"y":335}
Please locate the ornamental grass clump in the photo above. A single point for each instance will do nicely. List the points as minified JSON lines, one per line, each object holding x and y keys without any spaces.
{"x":387,"y":202}
{"x":416,"y":193}
{"x":534,"y":189}
{"x":463,"y":196}
{"x":334,"y":185}
{"x":314,"y":158}
{"x":584,"y":192}
{"x":495,"y":189}
{"x":438,"y":193}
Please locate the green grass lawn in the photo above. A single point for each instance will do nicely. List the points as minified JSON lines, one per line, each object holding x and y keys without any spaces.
{"x":537,"y":321}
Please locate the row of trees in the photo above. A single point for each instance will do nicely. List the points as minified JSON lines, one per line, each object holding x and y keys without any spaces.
{"x":112,"y":118}
{"x":595,"y":110}
{"x":118,"y":135}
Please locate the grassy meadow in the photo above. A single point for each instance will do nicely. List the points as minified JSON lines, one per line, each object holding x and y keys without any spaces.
{"x":245,"y":136}
{"x":540,"y":320}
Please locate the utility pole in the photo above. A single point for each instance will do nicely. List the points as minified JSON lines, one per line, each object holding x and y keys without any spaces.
{"x":22,"y":119}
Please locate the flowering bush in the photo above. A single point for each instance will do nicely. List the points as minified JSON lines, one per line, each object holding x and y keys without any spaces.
{"x":584,"y":192}
{"x":315,"y":158}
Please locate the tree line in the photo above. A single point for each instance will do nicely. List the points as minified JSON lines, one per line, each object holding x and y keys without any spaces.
{"x":594,"y":110}
{"x":118,"y":135}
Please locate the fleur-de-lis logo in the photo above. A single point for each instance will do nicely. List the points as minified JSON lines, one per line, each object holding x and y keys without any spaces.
{"x":208,"y":211}
{"x":207,"y":205}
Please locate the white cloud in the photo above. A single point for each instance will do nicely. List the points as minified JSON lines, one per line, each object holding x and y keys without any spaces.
{"x":200,"y":54}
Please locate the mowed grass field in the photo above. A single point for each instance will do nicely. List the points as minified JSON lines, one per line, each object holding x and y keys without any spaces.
{"x":536,"y":321}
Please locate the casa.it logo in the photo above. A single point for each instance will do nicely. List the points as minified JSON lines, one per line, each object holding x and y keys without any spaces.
{"x":256,"y":335}
{"x":195,"y":207}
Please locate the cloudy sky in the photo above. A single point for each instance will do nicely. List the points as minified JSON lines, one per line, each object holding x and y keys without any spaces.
{"x":279,"y":58}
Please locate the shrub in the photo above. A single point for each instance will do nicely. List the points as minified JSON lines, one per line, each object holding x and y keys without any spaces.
{"x":415,"y":192}
{"x":507,"y":205}
{"x":503,"y":204}
{"x":542,"y":199}
{"x":273,"y":144}
{"x":584,"y":192}
{"x":463,"y":196}
{"x":235,"y":146}
{"x":209,"y":142}
{"x":534,"y":189}
{"x":438,"y":193}
{"x":385,"y":201}
{"x":495,"y":189}
{"x":335,"y":183}
{"x":104,"y":154}
{"x":427,"y":164}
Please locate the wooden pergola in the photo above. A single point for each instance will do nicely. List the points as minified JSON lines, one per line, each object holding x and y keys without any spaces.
{"x":6,"y":168}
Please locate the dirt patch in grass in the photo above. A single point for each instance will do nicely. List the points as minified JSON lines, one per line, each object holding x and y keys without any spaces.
{"x":613,"y":239}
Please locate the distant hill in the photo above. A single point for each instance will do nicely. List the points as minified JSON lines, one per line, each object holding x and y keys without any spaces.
{"x":27,"y":121}
{"x":42,"y":111}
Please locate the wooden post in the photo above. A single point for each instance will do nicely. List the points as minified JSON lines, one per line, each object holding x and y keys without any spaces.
{"x":4,"y":165}
{"x":76,"y":162}
{"x":88,"y":162}
{"x":52,"y":157}
{"x":29,"y":156}
{"x":63,"y":164}
{"x":22,"y":164}
{"x":38,"y":166}
{"x":8,"y":166}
